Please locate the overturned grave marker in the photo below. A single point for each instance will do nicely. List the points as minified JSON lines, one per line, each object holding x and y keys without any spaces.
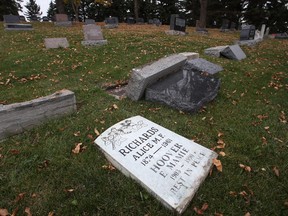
{"x":231,"y":52}
{"x":166,"y":164}
{"x":202,"y":65}
{"x":19,"y":117}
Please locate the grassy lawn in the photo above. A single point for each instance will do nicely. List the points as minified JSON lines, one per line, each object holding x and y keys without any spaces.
{"x":38,"y":169}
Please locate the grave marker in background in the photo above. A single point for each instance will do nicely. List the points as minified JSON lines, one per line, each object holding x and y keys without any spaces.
{"x":62,"y":20}
{"x":166,"y":164}
{"x":93,"y":36}
{"x":54,"y":43}
{"x":12,"y":22}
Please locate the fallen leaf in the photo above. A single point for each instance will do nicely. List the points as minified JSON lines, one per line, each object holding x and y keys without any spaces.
{"x":276,"y":171}
{"x":220,"y":134}
{"x":4,"y":212}
{"x":218,"y":164}
{"x":222,"y":153}
{"x":264,"y":140}
{"x":15,"y":211}
{"x":247,"y":214}
{"x":77,"y":133}
{"x":34,"y":195}
{"x":115,"y":106}
{"x":90,"y":136}
{"x":266,"y":128}
{"x":69,"y":190}
{"x":96,"y":132}
{"x":19,"y":197}
{"x":77,"y":149}
{"x":233,"y":193}
{"x":14,"y":151}
{"x":27,"y":211}
{"x":51,"y":213}
{"x":221,"y":144}
{"x":218,"y":214}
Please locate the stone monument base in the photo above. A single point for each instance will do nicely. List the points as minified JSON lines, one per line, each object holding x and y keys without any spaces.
{"x":94,"y":42}
{"x":174,"y":32}
{"x":18,"y":26}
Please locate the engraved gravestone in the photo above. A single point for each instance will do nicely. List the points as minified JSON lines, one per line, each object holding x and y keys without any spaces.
{"x":62,"y":20}
{"x":12,"y":22}
{"x":111,"y":22}
{"x":166,"y":164}
{"x":54,"y":43}
{"x":93,"y":35}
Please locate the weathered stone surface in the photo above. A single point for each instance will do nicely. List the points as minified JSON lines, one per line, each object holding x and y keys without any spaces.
{"x":94,"y":42}
{"x":233,"y":52}
{"x":215,"y":51}
{"x":12,"y":22}
{"x":248,"y":42}
{"x":150,"y":73}
{"x":89,"y":22}
{"x":186,"y":90}
{"x":19,"y":117}
{"x":62,"y":20}
{"x":203,"y":65}
{"x":54,"y":43}
{"x":166,"y":164}
{"x":190,"y":55}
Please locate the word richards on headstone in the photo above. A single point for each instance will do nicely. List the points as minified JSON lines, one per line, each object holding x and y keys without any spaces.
{"x":167,"y":165}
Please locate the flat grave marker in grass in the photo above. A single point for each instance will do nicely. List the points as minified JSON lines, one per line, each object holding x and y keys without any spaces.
{"x":167,"y":164}
{"x":54,"y":43}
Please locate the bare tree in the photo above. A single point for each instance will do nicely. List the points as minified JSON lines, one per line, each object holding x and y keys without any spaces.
{"x":136,"y":9}
{"x":203,"y":13}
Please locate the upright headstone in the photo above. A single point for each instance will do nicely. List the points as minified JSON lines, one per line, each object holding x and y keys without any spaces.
{"x":140,"y":21}
{"x":130,"y":20}
{"x":177,"y":25}
{"x":54,"y":43}
{"x":267,"y":32}
{"x":89,"y":21}
{"x":247,"y":32}
{"x":173,"y":20}
{"x":166,"y":164}
{"x":45,"y":19}
{"x":262,"y":32}
{"x":232,"y":26}
{"x":62,"y":20}
{"x":22,"y":18}
{"x":111,"y":22}
{"x":157,"y":22}
{"x":225,"y":25}
{"x":93,"y":36}
{"x":12,"y":22}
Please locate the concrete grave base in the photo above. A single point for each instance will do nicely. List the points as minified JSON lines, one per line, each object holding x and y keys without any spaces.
{"x":248,"y":42}
{"x":173,"y":32}
{"x":190,"y":55}
{"x":93,"y":42}
{"x":150,"y":73}
{"x":215,"y":51}
{"x":19,"y":117}
{"x":18,"y":27}
{"x":63,"y":24}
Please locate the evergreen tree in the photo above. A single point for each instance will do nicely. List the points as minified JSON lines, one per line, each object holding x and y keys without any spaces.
{"x":9,"y":7}
{"x":51,"y":10}
{"x":33,"y":10}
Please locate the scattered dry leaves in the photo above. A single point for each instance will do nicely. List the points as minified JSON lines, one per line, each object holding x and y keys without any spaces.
{"x":96,"y":132}
{"x":246,"y":168}
{"x":202,"y":210}
{"x":109,"y":167}
{"x":14,"y":151}
{"x":247,"y":214}
{"x":52,"y":213}
{"x":77,"y":134}
{"x":222,"y":153}
{"x":282,"y":117}
{"x":221,"y":144}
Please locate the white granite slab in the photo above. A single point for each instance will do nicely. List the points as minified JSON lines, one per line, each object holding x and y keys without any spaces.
{"x":168,"y":165}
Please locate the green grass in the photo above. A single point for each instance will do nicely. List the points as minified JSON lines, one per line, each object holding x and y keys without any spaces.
{"x":40,"y":163}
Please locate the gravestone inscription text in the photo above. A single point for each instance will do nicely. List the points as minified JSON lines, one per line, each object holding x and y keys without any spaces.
{"x":168,"y":165}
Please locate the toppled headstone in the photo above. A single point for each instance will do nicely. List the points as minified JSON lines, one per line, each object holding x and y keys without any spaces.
{"x":166,"y":164}
{"x":54,"y":43}
{"x":203,"y":65}
{"x":19,"y":117}
{"x":62,"y":20}
{"x":150,"y":73}
{"x":281,"y":36}
{"x":93,"y":36}
{"x":12,"y":22}
{"x":215,"y":51}
{"x":186,"y":90}
{"x":233,"y":52}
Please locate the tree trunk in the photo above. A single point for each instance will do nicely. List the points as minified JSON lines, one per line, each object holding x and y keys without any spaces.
{"x":60,"y":6}
{"x":75,"y":7}
{"x":136,"y":9}
{"x":203,"y":13}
